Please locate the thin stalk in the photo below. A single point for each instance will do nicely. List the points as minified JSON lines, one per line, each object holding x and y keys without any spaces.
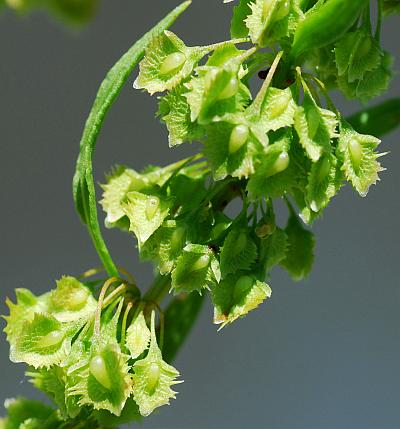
{"x":110,"y":298}
{"x":103,"y":291}
{"x":124,"y":321}
{"x":379,"y":21}
{"x":257,"y":103}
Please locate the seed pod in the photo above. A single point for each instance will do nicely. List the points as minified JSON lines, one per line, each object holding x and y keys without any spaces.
{"x":356,"y":152}
{"x":201,"y":263}
{"x":52,"y":339}
{"x":326,"y":25}
{"x":240,"y":244}
{"x":282,"y":11}
{"x":177,"y":238}
{"x":78,"y":299}
{"x":239,"y":136}
{"x":153,"y":378}
{"x":323,"y":169}
{"x":230,"y":89}
{"x":172,"y":63}
{"x":152,"y":206}
{"x":313,"y":122}
{"x":99,"y":371}
{"x":281,"y":164}
{"x":241,"y":287}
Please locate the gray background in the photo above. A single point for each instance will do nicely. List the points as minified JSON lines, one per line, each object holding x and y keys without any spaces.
{"x":323,"y":353}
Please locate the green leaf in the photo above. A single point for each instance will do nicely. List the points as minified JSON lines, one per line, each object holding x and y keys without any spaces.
{"x":83,"y":184}
{"x":43,"y":341}
{"x":359,"y":157}
{"x":377,"y":120}
{"x":138,"y":336}
{"x":197,"y":268}
{"x":167,"y":63}
{"x":263,"y":14}
{"x":116,"y":190}
{"x":238,"y":252}
{"x":324,"y":181}
{"x":20,"y":410}
{"x":153,"y":378}
{"x":180,"y":317}
{"x":356,"y":54}
{"x":236,"y":296}
{"x":174,"y":110}
{"x":240,"y":13}
{"x":278,"y":109}
{"x":22,"y":312}
{"x":315,"y":127}
{"x":374,"y":84}
{"x":146,"y":213}
{"x":300,"y":255}
{"x":276,"y":247}
{"x":52,"y":381}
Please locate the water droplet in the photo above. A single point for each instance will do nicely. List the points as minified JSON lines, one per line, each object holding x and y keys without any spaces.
{"x":152,"y":206}
{"x":172,"y":63}
{"x":50,"y":340}
{"x":230,"y":89}
{"x":239,"y":136}
{"x":99,"y":371}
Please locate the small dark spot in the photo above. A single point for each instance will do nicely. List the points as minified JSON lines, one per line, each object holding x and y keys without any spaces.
{"x":262,"y":74}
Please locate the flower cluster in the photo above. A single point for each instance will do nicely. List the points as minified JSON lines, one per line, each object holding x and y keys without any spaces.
{"x":89,"y":354}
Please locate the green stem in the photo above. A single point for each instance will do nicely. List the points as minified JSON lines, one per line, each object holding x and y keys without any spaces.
{"x":379,"y":21}
{"x":158,"y":289}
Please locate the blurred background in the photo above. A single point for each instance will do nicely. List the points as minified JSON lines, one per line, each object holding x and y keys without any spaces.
{"x":323,"y":353}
